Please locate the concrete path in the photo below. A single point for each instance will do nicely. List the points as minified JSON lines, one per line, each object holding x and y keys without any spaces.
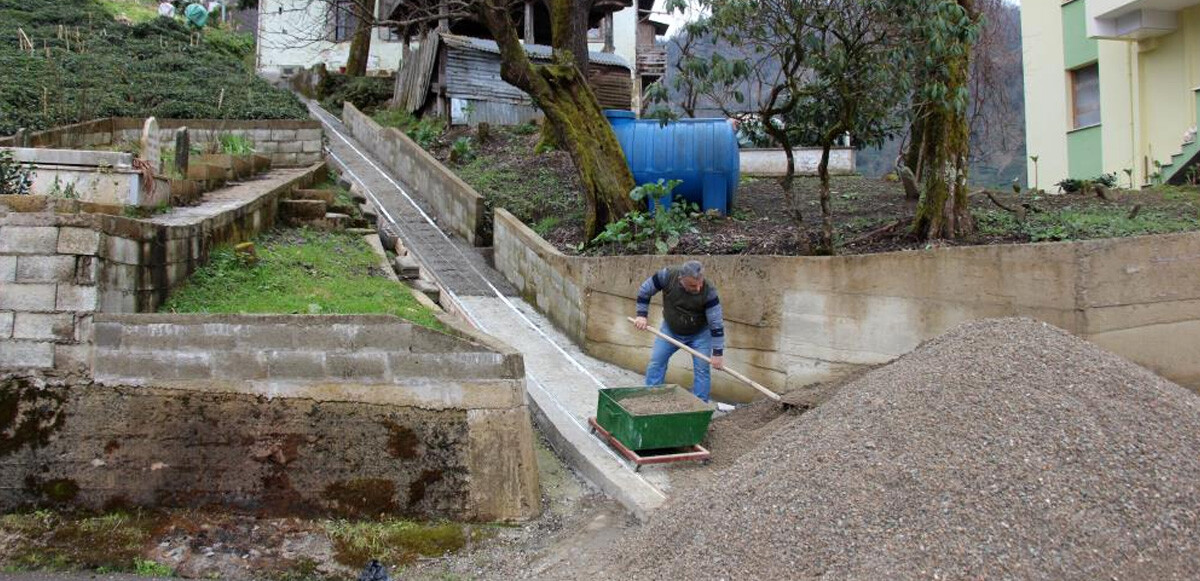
{"x":562,"y":381}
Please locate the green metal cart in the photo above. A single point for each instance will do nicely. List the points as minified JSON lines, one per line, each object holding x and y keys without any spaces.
{"x":652,"y":438}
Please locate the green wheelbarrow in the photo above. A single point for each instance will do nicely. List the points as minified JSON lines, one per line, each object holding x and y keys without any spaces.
{"x":653,"y":425}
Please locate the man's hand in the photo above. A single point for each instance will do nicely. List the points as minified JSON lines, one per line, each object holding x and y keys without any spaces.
{"x":718,"y":361}
{"x":640,"y":323}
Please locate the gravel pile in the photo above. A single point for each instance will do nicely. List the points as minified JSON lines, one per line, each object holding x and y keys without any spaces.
{"x":1004,"y":448}
{"x":662,"y":401}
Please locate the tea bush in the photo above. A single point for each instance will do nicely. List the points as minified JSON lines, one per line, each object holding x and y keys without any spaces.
{"x":102,"y":68}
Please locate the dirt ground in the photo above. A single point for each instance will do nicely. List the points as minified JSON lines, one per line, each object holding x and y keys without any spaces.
{"x":870,"y":214}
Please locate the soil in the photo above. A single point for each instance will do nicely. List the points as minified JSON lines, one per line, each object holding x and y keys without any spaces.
{"x":662,"y":401}
{"x":871,"y":215}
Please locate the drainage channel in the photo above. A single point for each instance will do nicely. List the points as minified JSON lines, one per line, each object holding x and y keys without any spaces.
{"x":475,"y":291}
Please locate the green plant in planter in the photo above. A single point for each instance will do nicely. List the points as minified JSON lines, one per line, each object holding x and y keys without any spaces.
{"x":15,"y":179}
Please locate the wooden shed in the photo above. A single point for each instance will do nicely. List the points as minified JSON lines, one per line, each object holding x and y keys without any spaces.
{"x":458,"y":77}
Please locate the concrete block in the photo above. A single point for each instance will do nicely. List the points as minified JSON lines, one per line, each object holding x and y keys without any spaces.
{"x":8,"y":268}
{"x":238,"y":365}
{"x":45,"y":268}
{"x":309,"y":135}
{"x":83,"y":328}
{"x":291,"y":146}
{"x":166,"y":365}
{"x":121,"y":250}
{"x":27,"y":297}
{"x":296,"y":365}
{"x":311,"y":147}
{"x":6,"y":325}
{"x":107,"y":335}
{"x":26,"y":354}
{"x":28,"y":240}
{"x":265,"y":338}
{"x":266,"y":147}
{"x":86,"y":270}
{"x":357,"y":366}
{"x":73,"y":357}
{"x":44,"y":326}
{"x":78,"y":241}
{"x":283,"y":135}
{"x":76,"y":298}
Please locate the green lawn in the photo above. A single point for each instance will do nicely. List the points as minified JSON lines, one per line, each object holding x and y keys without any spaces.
{"x":299,"y":272}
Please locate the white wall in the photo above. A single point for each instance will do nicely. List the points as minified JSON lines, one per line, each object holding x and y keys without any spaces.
{"x":289,"y":33}
{"x":1045,"y":91}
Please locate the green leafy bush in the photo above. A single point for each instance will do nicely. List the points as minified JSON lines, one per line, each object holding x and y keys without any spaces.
{"x":103,"y":68}
{"x":15,"y":179}
{"x":662,"y":228}
{"x":366,"y":93}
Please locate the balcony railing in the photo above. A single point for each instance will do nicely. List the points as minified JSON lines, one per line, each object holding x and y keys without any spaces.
{"x":651,"y":61}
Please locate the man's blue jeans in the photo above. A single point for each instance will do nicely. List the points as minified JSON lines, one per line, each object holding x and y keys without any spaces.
{"x":656,"y":372}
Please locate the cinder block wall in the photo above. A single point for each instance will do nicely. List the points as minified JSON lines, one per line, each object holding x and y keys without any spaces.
{"x":344,"y":415}
{"x":289,"y":143}
{"x":457,"y":205}
{"x":57,"y":270}
{"x":544,"y":275}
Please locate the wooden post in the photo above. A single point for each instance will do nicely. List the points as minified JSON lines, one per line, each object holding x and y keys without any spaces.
{"x":443,"y":23}
{"x":22,"y":138}
{"x":608,"y":33}
{"x":529,"y":22}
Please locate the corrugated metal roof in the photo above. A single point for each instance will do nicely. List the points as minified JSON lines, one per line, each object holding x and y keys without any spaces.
{"x":536,"y":51}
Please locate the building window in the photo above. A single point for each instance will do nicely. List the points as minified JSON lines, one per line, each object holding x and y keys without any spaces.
{"x":387,"y":33}
{"x":1085,"y":96}
{"x":343,"y":20}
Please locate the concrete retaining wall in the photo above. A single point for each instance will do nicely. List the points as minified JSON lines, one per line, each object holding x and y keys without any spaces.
{"x":345,"y":415}
{"x":289,"y":143}
{"x":795,"y":320}
{"x":773,"y":162}
{"x":458,"y":206}
{"x":56,"y":270}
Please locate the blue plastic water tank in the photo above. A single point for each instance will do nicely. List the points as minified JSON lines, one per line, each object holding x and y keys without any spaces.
{"x":702,"y":153}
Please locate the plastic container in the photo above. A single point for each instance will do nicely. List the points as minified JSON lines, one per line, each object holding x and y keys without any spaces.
{"x":653,"y":431}
{"x":702,"y":153}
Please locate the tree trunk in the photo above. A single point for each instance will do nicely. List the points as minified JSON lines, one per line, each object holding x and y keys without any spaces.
{"x":360,"y":45}
{"x":942,"y":211}
{"x":789,"y":177}
{"x":564,"y":96}
{"x":826,"y":207}
{"x":913,"y":158}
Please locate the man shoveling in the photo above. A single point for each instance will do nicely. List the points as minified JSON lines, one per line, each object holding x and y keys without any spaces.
{"x":691,"y":315}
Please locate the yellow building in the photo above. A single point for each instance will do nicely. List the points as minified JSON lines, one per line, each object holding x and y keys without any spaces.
{"x":1111,"y":86}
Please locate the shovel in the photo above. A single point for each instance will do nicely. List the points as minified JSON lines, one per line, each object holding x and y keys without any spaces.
{"x":726,"y":369}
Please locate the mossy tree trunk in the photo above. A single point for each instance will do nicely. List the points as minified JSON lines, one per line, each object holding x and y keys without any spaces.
{"x":360,"y":44}
{"x":562,"y":92}
{"x":944,"y":143}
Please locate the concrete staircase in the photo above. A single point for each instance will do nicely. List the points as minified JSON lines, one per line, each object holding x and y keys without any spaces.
{"x":320,"y":209}
{"x":1176,"y":172}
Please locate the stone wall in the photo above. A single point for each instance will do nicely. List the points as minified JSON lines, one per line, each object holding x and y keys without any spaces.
{"x":544,"y":275}
{"x":793,"y":321}
{"x":57,"y":270}
{"x":459,"y":208}
{"x":289,"y":143}
{"x":773,"y":162}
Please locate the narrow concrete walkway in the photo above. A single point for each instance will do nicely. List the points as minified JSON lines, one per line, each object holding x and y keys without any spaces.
{"x":562,"y":381}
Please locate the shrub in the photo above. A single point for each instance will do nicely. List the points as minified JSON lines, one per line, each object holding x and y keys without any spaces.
{"x":15,"y":179}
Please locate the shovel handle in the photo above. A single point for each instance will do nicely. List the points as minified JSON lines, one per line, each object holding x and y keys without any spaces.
{"x":736,"y":375}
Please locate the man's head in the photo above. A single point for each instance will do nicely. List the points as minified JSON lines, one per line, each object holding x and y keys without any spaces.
{"x":691,"y":276}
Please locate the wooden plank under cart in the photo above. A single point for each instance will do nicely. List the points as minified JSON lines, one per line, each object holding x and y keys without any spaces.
{"x":696,"y":452}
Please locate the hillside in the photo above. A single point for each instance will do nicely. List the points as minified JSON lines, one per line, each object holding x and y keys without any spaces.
{"x":86,"y":64}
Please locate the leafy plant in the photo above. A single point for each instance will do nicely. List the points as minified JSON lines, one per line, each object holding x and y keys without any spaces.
{"x":462,"y":150}
{"x":545,"y":225}
{"x":233,"y":144}
{"x":58,"y":190}
{"x":15,"y":179}
{"x":662,"y":229}
{"x":527,"y":128}
{"x":147,"y":568}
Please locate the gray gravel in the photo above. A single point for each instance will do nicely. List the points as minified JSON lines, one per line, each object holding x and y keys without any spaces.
{"x":1002,"y":449}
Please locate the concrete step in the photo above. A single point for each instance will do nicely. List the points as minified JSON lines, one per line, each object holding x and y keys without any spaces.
{"x":362,"y":231}
{"x":427,"y":288}
{"x":326,"y":196}
{"x":406,"y":267}
{"x":336,"y":221}
{"x":302,"y":210}
{"x":368,"y":212}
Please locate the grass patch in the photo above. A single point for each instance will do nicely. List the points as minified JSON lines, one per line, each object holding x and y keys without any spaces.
{"x":534,"y":197}
{"x":299,"y":272}
{"x":1082,"y":223}
{"x":395,"y":542}
{"x":48,"y":540}
{"x":424,"y":131}
{"x":136,"y":11}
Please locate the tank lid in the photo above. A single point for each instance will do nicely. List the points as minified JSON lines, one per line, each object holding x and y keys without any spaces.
{"x":619,"y":114}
